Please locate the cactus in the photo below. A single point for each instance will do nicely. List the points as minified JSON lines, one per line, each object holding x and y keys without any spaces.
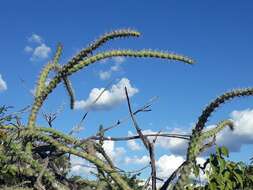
{"x":60,"y":143}
{"x":23,"y":142}
{"x":198,"y":137}
{"x":81,"y":60}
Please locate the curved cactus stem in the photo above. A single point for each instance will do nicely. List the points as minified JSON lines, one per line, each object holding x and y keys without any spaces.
{"x":66,"y":71}
{"x":218,"y":102}
{"x":220,"y":126}
{"x":100,"y":41}
{"x":63,"y":148}
{"x":43,"y":77}
{"x":70,"y":91}
{"x":195,"y":148}
{"x":66,"y":81}
{"x":195,"y":142}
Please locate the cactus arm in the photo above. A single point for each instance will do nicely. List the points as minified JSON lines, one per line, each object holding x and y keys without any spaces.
{"x":195,"y":142}
{"x":100,"y":41}
{"x":66,"y":71}
{"x":218,"y":102}
{"x":220,"y":126}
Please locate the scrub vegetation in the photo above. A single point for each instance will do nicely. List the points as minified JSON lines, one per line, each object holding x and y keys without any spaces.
{"x":38,"y":157}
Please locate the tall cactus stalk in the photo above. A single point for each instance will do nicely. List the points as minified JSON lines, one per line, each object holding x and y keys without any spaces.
{"x":198,"y":137}
{"x":84,"y":58}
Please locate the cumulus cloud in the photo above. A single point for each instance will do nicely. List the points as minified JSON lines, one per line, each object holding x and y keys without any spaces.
{"x":242,"y":133}
{"x":80,"y":166}
{"x":109,"y":98}
{"x":174,"y":145}
{"x":119,"y":59}
{"x":37,"y":48}
{"x":28,"y":49}
{"x":3,"y":85}
{"x":115,"y":153}
{"x":35,"y":38}
{"x":234,"y":140}
{"x":137,"y":160}
{"x":167,"y":164}
{"x":41,"y":52}
{"x":132,"y":144}
{"x":104,"y":75}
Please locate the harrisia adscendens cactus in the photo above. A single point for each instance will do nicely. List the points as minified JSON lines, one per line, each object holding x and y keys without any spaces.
{"x":74,"y":66}
{"x":65,"y":71}
{"x":66,"y":81}
{"x":46,"y":70}
{"x":100,"y":41}
{"x":36,"y":134}
{"x":196,"y":138}
{"x":81,"y":60}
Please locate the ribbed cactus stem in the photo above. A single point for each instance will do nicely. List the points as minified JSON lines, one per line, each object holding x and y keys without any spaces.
{"x":219,"y":101}
{"x":66,"y":71}
{"x":123,"y":33}
{"x":36,"y":135}
{"x":197,"y":135}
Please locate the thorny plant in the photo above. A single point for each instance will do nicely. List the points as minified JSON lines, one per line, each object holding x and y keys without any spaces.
{"x":38,"y":155}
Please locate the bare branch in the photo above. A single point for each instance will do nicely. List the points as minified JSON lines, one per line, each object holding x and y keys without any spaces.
{"x":149,"y":146}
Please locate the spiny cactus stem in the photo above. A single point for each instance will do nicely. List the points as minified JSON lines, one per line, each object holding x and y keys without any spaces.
{"x":68,"y":71}
{"x":100,"y":41}
{"x":36,"y":135}
{"x":194,"y":149}
{"x":195,"y":142}
{"x":218,"y":101}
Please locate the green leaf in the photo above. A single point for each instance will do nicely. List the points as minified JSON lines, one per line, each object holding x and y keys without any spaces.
{"x":238,"y":178}
{"x":229,"y":185}
{"x":250,"y":177}
{"x":213,"y":186}
{"x":196,"y":170}
{"x":218,"y":151}
{"x":222,"y":164}
{"x":224,"y":151}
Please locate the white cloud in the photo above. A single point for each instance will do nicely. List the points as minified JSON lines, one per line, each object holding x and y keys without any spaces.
{"x":242,"y":133}
{"x":166,"y":165}
{"x":110,"y":98}
{"x":132,"y":144}
{"x":41,"y":52}
{"x":104,"y":75}
{"x":3,"y":85}
{"x":137,"y":160}
{"x":80,"y":166}
{"x":175,"y":145}
{"x":115,"y":153}
{"x":233,"y":140}
{"x":35,"y":38}
{"x":28,"y":49}
{"x":38,"y":50}
{"x":119,"y":59}
{"x":115,"y":68}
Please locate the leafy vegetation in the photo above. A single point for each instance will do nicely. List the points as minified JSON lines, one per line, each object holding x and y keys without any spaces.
{"x":33,"y":157}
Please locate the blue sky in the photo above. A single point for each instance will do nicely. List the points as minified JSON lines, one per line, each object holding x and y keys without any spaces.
{"x":217,"y":34}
